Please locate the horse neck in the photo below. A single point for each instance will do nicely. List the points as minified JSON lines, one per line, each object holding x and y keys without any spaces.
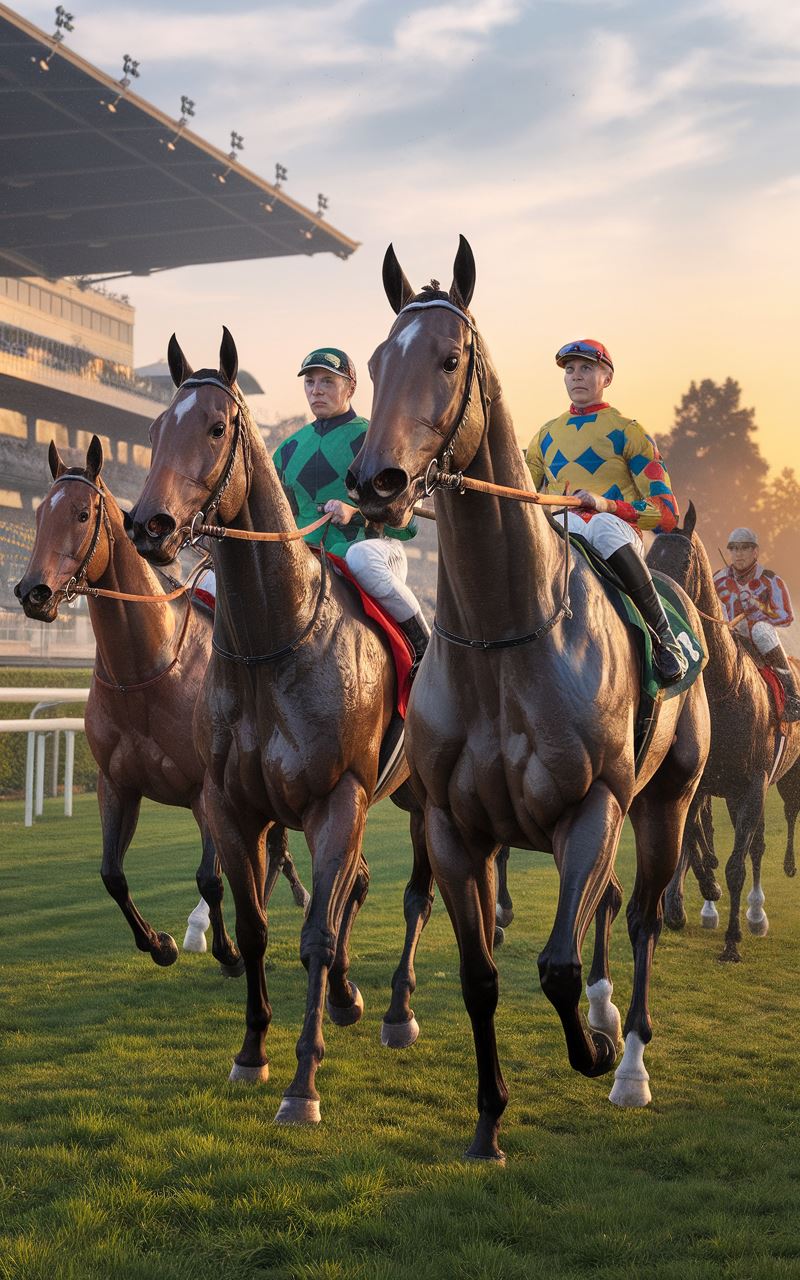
{"x":500,"y":562}
{"x":134,"y":640}
{"x":723,"y":650}
{"x":266,"y":591}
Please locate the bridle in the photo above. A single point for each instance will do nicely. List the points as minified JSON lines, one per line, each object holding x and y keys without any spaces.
{"x":77,"y":584}
{"x":438,"y":475}
{"x":212,"y":503}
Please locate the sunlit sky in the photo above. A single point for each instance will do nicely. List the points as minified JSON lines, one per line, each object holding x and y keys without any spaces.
{"x":623,"y":170}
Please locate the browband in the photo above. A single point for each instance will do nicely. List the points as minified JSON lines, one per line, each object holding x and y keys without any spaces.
{"x":82,"y":479}
{"x":437,"y":302}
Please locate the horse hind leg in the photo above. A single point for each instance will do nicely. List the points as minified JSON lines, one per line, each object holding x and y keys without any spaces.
{"x":400,"y":1028}
{"x":787,"y":786}
{"x":584,"y":845}
{"x":344,"y":1001}
{"x":746,"y":811}
{"x":757,"y":920}
{"x":505,"y":907}
{"x":603,"y":1013}
{"x":209,"y":882}
{"x":119,"y":813}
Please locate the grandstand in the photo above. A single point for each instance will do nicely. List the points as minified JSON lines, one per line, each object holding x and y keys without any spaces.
{"x":98,"y":182}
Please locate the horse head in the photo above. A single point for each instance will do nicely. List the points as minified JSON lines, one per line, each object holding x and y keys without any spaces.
{"x":69,"y":535}
{"x":196,"y":466}
{"x":428,"y":396}
{"x":675,"y":553}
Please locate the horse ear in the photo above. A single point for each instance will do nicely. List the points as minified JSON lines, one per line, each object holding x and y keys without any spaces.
{"x":398,"y":290}
{"x":179,"y":366}
{"x":228,"y":357}
{"x":57,"y":467}
{"x":689,"y":520}
{"x":463,"y":286}
{"x":94,"y":458}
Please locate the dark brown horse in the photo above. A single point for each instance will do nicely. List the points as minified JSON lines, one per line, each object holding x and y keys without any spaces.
{"x":743,"y":741}
{"x":150,"y":663}
{"x":299,"y":695}
{"x":521,"y":723}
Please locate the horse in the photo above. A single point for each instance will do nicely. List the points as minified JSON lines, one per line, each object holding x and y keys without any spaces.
{"x":298,"y":698}
{"x":743,"y":739}
{"x":151,"y":658}
{"x":521,"y":720}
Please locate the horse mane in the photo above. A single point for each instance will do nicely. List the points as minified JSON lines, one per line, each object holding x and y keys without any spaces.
{"x":434,"y":292}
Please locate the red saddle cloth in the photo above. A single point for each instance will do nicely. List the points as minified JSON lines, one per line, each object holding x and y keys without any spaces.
{"x":776,"y":688}
{"x":402,"y":652}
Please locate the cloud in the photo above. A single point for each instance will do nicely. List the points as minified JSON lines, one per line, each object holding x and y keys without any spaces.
{"x":620,"y":88}
{"x":452,"y":33}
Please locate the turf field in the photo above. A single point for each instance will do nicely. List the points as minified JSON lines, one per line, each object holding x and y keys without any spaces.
{"x":126,"y":1155}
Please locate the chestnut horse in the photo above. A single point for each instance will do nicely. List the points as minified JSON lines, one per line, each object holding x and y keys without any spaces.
{"x":150,"y":663}
{"x":299,"y":694}
{"x":521,"y":721}
{"x":743,"y":741}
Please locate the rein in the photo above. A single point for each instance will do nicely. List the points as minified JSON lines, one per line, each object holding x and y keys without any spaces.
{"x":439,"y":476}
{"x":249,"y":660}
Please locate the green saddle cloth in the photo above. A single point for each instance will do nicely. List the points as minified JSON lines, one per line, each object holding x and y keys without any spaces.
{"x":691,"y":644}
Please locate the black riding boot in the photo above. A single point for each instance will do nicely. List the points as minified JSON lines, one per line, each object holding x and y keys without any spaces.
{"x":418,"y":632}
{"x":635,"y":575}
{"x":777,"y":660}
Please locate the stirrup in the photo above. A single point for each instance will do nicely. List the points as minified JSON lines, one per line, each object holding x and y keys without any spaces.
{"x":677,"y":668}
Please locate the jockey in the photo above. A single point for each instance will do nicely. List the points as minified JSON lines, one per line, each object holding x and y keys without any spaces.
{"x":616,"y":470}
{"x":746,"y":587}
{"x":312,"y":464}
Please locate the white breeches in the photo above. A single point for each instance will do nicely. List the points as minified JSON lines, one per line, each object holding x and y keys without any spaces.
{"x":605,"y":533}
{"x":763,"y":635}
{"x":380,"y":566}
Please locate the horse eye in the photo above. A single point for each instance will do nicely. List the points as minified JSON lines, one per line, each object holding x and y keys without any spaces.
{"x":218,"y":430}
{"x":83,"y":517}
{"x":451,"y":364}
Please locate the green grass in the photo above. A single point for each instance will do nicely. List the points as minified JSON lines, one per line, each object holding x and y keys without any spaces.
{"x":126,"y":1154}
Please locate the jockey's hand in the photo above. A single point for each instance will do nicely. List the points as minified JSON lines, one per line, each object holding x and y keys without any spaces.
{"x":593,"y":501}
{"x":341,"y":512}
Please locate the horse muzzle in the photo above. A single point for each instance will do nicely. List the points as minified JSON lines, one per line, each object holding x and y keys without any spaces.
{"x":384,"y":497}
{"x":38,"y":600}
{"x":158,"y":539}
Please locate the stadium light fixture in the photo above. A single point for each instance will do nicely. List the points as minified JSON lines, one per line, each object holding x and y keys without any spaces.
{"x":130,"y":71}
{"x":322,"y":205}
{"x":64,"y":22}
{"x":237,"y":144}
{"x":187,"y":111}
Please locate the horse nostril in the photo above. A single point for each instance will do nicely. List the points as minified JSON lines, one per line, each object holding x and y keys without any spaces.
{"x":390,"y":482}
{"x":351,"y":484}
{"x":159,"y":526}
{"x":40,"y":594}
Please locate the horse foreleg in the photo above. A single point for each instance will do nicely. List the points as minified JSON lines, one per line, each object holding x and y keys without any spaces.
{"x":209,"y":882}
{"x":584,"y":846}
{"x":788,"y":787}
{"x":691,"y":855}
{"x":280,"y":860}
{"x":746,"y":811}
{"x":345,"y":1003}
{"x":505,"y":907}
{"x":757,"y":921}
{"x":119,"y":813}
{"x":466,"y":882}
{"x":334,"y":828}
{"x":400,"y":1028}
{"x":603,"y":1013}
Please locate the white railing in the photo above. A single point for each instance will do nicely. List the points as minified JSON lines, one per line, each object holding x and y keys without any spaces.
{"x":37,"y":729}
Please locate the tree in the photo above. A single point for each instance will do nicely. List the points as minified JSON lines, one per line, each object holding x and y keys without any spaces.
{"x":779,"y":528}
{"x":713,"y":458}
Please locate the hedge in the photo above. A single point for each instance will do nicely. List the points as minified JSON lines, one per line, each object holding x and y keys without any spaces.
{"x":13,"y":746}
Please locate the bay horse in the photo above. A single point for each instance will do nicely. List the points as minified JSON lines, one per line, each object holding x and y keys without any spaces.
{"x":743,"y":736}
{"x":298,"y":697}
{"x":521,"y":720}
{"x":151,"y":658}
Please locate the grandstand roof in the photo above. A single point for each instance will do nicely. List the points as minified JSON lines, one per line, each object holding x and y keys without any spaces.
{"x":88,"y":191}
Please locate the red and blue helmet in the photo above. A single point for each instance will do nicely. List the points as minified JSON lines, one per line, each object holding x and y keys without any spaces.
{"x":584,"y":349}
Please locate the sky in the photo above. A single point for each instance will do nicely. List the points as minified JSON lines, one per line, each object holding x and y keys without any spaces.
{"x":623,"y":170}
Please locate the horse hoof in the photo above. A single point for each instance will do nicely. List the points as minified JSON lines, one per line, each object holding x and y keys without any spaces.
{"x":730,"y":955}
{"x":630,"y":1091}
{"x":675,"y":921}
{"x":497,"y":1157}
{"x":302,"y":898}
{"x":499,"y":936}
{"x":399,"y":1035}
{"x":195,"y":940}
{"x":298,"y":1111}
{"x":709,"y":916}
{"x":249,"y":1075}
{"x":166,"y":953}
{"x":345,"y":1017}
{"x":605,"y":1053}
{"x":759,"y":928}
{"x":503,"y":916}
{"x":234,"y":970}
{"x":790,"y":870}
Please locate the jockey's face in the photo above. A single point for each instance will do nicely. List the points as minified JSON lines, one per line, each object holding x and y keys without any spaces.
{"x":328,"y":394}
{"x":743,"y":555}
{"x":586,"y":380}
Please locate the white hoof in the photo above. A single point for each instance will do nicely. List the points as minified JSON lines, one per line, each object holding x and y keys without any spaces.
{"x":709,"y":916}
{"x":249,"y":1075}
{"x":603,"y":1014}
{"x":298,"y":1111}
{"x":758,"y":926}
{"x":198,"y":922}
{"x":399,"y":1035}
{"x":631,"y":1081}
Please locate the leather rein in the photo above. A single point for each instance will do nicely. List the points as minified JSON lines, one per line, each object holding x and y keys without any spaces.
{"x":438,"y":475}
